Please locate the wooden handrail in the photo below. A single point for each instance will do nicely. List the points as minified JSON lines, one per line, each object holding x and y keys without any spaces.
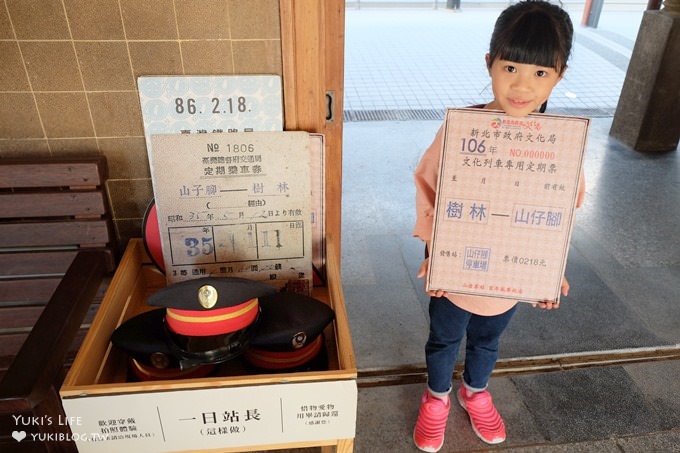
{"x":38,"y":365}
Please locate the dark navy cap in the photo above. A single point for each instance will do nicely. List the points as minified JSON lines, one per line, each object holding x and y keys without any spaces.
{"x":290,"y":332}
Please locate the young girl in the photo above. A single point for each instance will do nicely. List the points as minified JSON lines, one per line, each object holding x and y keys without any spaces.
{"x":528,"y":54}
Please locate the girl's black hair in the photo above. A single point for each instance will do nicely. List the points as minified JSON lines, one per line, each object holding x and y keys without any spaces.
{"x":533,"y":32}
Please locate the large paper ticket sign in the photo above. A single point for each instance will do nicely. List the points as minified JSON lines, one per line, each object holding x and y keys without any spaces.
{"x":235,"y":205}
{"x":505,"y":204}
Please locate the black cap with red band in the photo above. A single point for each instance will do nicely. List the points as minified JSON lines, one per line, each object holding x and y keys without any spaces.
{"x":210,"y":319}
{"x":289,"y":335}
{"x":210,"y":305}
{"x":206,"y":321}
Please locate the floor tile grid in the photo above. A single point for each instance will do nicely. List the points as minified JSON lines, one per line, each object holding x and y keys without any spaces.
{"x":441,"y":64}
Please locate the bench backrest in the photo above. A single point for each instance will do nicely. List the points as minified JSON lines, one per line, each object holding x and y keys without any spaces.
{"x":49,"y":210}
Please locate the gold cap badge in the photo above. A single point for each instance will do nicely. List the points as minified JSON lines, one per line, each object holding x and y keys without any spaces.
{"x":207,"y":296}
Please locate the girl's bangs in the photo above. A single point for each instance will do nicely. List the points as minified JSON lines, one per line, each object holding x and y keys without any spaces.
{"x":540,"y":56}
{"x":532,"y":42}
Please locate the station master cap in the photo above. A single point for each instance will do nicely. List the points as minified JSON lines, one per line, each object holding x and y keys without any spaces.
{"x":150,"y":357}
{"x":289,"y":334}
{"x":211,"y":319}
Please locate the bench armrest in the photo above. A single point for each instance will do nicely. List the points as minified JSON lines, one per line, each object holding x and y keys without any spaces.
{"x":38,"y":365}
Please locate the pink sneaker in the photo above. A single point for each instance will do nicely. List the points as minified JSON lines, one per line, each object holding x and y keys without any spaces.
{"x":485,"y":419}
{"x":429,"y":431}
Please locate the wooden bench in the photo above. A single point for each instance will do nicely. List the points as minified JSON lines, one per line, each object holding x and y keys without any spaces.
{"x":56,"y":253}
{"x":49,"y":210}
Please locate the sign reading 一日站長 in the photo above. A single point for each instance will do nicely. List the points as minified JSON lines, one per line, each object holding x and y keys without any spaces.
{"x":212,"y":418}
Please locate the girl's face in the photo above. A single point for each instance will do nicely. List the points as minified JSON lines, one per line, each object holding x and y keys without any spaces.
{"x":520,"y":88}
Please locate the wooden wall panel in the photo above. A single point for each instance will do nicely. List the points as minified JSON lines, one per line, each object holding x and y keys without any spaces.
{"x":312,"y":49}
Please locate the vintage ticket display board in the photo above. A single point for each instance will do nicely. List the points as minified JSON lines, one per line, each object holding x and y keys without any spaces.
{"x":505,"y":204}
{"x":235,"y":204}
{"x":228,"y":104}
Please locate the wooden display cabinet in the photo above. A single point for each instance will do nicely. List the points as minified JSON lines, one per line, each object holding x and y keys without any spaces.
{"x":312,"y":46}
{"x":314,"y":408}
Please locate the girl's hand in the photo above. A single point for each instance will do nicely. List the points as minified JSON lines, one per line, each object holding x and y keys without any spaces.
{"x":550,"y":304}
{"x":422,"y":272}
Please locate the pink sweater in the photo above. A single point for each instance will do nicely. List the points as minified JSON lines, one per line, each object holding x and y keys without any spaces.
{"x":426,"y":178}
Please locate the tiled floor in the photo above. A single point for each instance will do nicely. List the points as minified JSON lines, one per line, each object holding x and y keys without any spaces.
{"x":423,"y":59}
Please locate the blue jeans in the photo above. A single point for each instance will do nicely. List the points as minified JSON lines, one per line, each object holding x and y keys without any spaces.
{"x":448,"y":326}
